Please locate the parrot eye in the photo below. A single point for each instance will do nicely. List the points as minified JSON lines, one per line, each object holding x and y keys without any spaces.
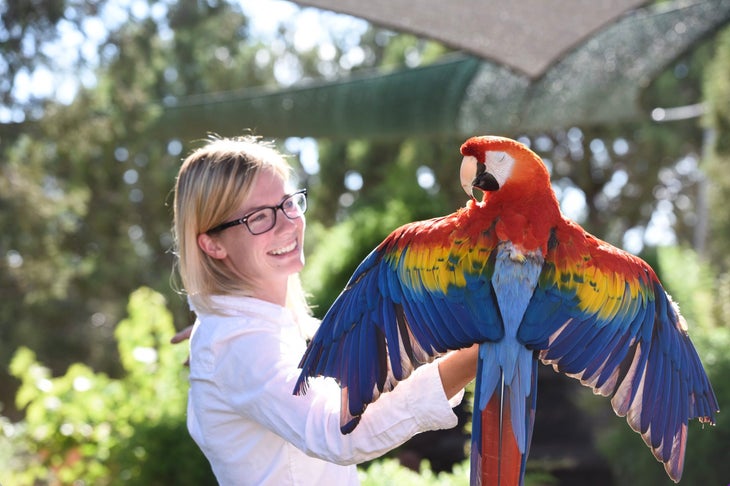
{"x":500,"y":165}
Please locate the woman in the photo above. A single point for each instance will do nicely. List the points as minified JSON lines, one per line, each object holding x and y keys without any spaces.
{"x":239,"y":232}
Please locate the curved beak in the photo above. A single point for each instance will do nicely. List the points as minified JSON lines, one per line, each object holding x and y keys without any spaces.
{"x":486,"y":182}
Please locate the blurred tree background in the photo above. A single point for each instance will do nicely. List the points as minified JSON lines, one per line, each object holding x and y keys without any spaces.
{"x":85,"y":217}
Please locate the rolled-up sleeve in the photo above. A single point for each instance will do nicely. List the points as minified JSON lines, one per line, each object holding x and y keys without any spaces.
{"x":259,"y":385}
{"x":415,"y":405}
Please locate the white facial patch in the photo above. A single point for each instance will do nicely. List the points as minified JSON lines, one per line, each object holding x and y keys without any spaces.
{"x":500,"y":165}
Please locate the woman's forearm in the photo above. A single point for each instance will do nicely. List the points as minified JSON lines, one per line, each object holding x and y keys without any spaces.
{"x":457,"y":369}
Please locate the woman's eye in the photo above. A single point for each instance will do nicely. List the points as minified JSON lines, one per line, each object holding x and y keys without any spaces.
{"x":258,"y":217}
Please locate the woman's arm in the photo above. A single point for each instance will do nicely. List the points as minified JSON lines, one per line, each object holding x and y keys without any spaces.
{"x":457,"y":369}
{"x":182,"y":335}
{"x":257,"y":373}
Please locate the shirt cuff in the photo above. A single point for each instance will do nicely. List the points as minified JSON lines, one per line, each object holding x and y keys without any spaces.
{"x":427,"y":400}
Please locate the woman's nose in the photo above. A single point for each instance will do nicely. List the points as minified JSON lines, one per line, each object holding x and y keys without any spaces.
{"x":282,"y":221}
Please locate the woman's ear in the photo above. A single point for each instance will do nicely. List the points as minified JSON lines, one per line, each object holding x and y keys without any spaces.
{"x":211,"y":246}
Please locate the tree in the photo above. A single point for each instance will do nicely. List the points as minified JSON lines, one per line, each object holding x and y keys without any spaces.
{"x":88,"y":190}
{"x":717,"y":122}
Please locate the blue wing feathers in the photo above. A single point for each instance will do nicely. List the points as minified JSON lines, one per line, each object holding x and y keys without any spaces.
{"x":666,"y":422}
{"x":610,"y":338}
{"x":433,"y":317}
{"x":457,"y":323}
{"x":639,"y":363}
{"x":332,"y":361}
{"x":454,"y":334}
{"x":660,"y":376}
{"x":417,"y":323}
{"x":606,"y":349}
{"x":358,"y":369}
{"x":393,"y":338}
{"x":371,"y":350}
{"x":675,"y":416}
{"x":642,"y":339}
{"x":403,"y":328}
{"x":367,"y":348}
{"x":569,"y":344}
{"x":545,"y":314}
{"x":387,"y":311}
{"x":613,"y":362}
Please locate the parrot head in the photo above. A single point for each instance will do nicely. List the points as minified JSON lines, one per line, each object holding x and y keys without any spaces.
{"x":493,"y":164}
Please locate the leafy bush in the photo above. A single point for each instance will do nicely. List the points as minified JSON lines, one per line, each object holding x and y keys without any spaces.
{"x":89,"y":428}
{"x":389,"y":472}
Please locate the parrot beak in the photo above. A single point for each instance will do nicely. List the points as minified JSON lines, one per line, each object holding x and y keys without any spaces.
{"x":474,"y":175}
{"x":486,"y":182}
{"x":467,"y":173}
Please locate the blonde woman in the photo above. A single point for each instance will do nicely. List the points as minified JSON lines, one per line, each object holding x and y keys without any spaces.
{"x":239,"y":233}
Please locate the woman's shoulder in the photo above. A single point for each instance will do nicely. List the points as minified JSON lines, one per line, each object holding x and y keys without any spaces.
{"x":227,"y":308}
{"x":238,"y":317}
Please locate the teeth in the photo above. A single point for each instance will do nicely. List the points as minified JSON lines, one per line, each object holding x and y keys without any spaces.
{"x":285,"y":249}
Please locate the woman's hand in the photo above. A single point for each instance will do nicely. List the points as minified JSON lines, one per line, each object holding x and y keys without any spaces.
{"x":180,"y":337}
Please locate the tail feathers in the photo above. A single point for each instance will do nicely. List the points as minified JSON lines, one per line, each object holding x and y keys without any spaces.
{"x":497,"y":457}
{"x":501,"y":463}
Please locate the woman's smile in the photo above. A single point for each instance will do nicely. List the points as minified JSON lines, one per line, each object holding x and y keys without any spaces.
{"x":285,"y":249}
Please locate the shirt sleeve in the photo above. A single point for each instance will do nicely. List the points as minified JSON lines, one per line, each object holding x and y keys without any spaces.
{"x":258,"y":371}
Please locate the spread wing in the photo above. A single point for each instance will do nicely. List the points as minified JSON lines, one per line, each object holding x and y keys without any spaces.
{"x":601,"y":315}
{"x":424,"y":290}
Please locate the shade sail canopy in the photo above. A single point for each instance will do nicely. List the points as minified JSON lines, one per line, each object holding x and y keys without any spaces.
{"x":526,"y":35}
{"x":598,"y":82}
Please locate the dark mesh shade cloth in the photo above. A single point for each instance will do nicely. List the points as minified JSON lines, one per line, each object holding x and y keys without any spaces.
{"x":598,"y":82}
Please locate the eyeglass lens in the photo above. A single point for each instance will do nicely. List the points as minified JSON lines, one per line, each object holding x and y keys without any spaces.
{"x":264,"y":219}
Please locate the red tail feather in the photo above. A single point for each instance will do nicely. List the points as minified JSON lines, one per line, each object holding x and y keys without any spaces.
{"x":501,"y":458}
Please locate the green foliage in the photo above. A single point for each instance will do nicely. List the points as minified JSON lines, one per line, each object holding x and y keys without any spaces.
{"x":717,"y":91}
{"x":85,"y":191}
{"x":690,"y":282}
{"x":717,"y":160}
{"x":337,"y":251}
{"x":87,"y":425}
{"x":40,"y":216}
{"x":389,"y":472}
{"x":707,"y":459}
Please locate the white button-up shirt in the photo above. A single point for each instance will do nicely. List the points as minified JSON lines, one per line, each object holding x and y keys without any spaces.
{"x":254,"y":431}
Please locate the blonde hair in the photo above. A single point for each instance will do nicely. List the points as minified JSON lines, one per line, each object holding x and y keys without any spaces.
{"x":213,"y":181}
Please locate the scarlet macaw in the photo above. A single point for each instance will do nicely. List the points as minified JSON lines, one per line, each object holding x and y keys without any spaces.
{"x":512,"y":273}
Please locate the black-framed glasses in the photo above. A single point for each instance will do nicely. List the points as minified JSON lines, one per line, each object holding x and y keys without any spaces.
{"x":263,"y":219}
